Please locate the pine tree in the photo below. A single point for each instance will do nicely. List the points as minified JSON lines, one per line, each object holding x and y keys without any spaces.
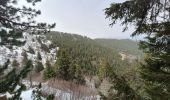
{"x":104,"y":69}
{"x":75,"y":73}
{"x":121,"y":90}
{"x":37,"y":93}
{"x":39,"y":56}
{"x":63,"y":64}
{"x":151,"y":18}
{"x":31,"y":50}
{"x":12,"y":79}
{"x":49,"y":71}
{"x":12,"y":28}
{"x":15,"y":63}
{"x":51,"y":97}
{"x":25,"y":57}
{"x":38,"y":66}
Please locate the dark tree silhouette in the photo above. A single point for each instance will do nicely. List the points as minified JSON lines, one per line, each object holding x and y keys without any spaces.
{"x":13,"y":22}
{"x":151,"y":18}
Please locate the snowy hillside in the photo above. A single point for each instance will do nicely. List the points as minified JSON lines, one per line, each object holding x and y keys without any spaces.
{"x":33,"y":42}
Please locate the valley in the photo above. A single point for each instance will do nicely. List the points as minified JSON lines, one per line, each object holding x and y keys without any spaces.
{"x":88,"y":54}
{"x":77,"y":50}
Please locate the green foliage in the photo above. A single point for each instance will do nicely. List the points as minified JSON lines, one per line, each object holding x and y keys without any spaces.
{"x":85,"y":51}
{"x":12,"y":79}
{"x":63,"y":65}
{"x":39,"y":56}
{"x":76,"y":73}
{"x":12,"y":28}
{"x":49,"y":71}
{"x":68,"y":69}
{"x":44,"y":47}
{"x":15,"y":63}
{"x":148,"y":18}
{"x":121,"y":90}
{"x":51,"y":97}
{"x":17,"y":93}
{"x":38,"y":66}
{"x":31,"y":50}
{"x":10,"y":38}
{"x":124,"y":45}
{"x":105,"y":70}
{"x":25,"y":58}
{"x":37,"y":94}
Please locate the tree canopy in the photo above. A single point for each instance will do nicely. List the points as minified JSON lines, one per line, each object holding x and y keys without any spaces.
{"x":14,"y":20}
{"x":152,"y":18}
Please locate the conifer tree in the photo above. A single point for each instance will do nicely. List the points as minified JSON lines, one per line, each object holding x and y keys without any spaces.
{"x":31,"y":50}
{"x":37,"y":93}
{"x":38,"y":66}
{"x":15,"y":63}
{"x":39,"y":56}
{"x":12,"y":28}
{"x":49,"y":71}
{"x":151,"y":18}
{"x":63,"y":64}
{"x":75,"y":73}
{"x":104,"y":69}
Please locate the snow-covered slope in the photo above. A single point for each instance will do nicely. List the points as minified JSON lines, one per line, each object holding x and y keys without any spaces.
{"x":33,"y":43}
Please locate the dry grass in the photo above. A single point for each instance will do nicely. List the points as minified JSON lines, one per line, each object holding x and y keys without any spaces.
{"x":77,"y":91}
{"x":70,"y":86}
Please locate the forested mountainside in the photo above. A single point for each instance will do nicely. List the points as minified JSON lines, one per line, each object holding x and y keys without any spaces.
{"x":85,"y":51}
{"x":69,"y":57}
{"x":122,"y":45}
{"x":62,"y":66}
{"x":93,"y":59}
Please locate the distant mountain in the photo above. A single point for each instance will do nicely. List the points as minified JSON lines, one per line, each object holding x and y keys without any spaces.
{"x":123,"y":45}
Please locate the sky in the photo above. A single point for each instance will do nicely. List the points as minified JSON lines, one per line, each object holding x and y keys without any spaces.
{"x":84,"y":17}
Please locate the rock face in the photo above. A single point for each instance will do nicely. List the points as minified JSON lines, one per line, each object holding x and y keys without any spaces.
{"x":34,"y":43}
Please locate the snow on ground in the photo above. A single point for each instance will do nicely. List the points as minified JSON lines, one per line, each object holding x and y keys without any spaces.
{"x":27,"y":95}
{"x":31,"y":41}
{"x":60,"y":94}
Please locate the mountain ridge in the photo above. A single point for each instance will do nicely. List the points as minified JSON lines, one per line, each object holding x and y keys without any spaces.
{"x":123,"y":45}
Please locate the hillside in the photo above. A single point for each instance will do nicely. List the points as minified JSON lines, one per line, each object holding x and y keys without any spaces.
{"x":34,"y":45}
{"x":85,"y":51}
{"x":124,"y":45}
{"x":95,"y":61}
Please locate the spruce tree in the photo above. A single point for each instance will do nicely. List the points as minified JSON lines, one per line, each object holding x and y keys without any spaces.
{"x":75,"y":73}
{"x":31,"y":50}
{"x":104,"y":69}
{"x":38,"y":65}
{"x":49,"y":71}
{"x":63,"y":64}
{"x":15,"y":63}
{"x":39,"y":56}
{"x":151,"y":18}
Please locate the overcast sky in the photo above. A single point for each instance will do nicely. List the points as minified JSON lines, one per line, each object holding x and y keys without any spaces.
{"x":84,"y":17}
